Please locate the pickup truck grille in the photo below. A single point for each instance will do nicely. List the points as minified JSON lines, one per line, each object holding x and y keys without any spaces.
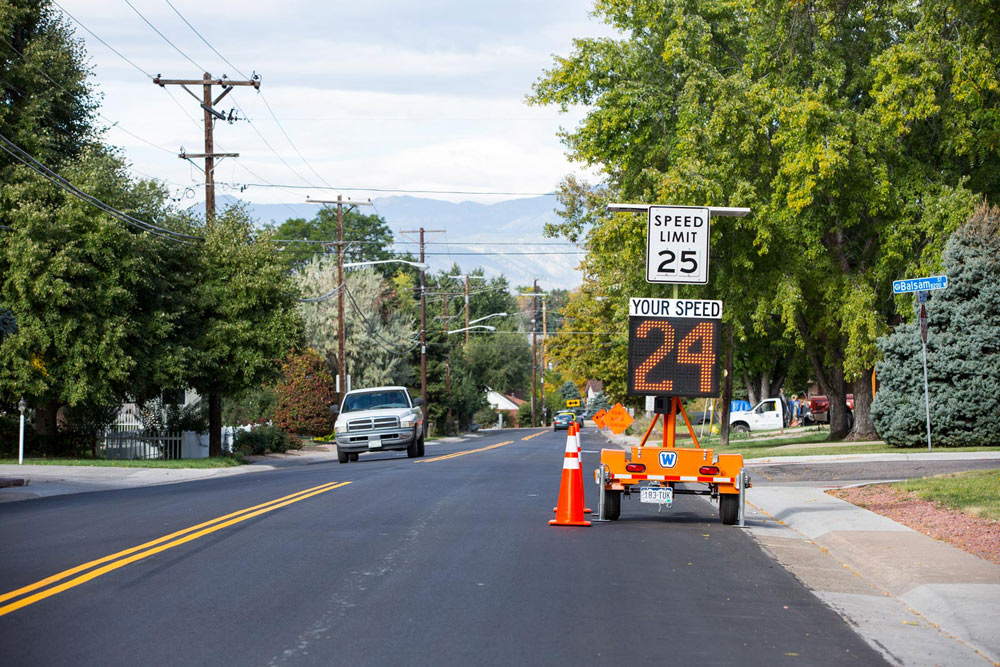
{"x":369,"y":424}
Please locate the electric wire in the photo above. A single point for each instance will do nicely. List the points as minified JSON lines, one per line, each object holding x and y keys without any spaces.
{"x":165,"y":39}
{"x":195,"y":31}
{"x":26,"y":158}
{"x":374,"y":332}
{"x":403,"y":190}
{"x":95,"y":36}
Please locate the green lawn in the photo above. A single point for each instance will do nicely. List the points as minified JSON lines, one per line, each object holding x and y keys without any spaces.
{"x":221,"y":462}
{"x":758,"y":447}
{"x":976,"y":492}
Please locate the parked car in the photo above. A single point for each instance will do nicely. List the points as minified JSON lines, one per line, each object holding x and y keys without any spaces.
{"x":562,"y":420}
{"x":819,"y":409}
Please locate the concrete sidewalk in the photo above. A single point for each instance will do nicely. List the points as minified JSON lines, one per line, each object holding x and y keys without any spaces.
{"x":916,"y":600}
{"x":46,"y":480}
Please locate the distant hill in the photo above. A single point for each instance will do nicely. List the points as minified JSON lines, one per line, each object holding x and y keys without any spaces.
{"x":492,"y":236}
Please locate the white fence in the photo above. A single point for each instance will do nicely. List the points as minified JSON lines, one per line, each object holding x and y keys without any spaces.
{"x":140,"y":445}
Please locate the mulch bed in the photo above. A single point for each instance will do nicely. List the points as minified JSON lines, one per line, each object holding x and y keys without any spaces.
{"x":977,"y":536}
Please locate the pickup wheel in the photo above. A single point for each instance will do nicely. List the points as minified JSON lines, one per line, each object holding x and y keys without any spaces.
{"x":413,"y":450}
{"x":420,"y":447}
{"x":612,"y":505}
{"x":740,"y":427}
{"x":342,"y":456}
{"x":353,"y":456}
{"x":729,"y":508}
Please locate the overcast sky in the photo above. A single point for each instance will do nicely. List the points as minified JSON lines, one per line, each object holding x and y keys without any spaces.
{"x":413,"y":95}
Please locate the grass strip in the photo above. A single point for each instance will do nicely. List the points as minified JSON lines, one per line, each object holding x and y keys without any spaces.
{"x":217,"y":462}
{"x":976,"y":493}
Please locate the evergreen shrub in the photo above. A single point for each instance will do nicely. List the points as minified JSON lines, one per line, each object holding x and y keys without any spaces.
{"x":963,"y":351}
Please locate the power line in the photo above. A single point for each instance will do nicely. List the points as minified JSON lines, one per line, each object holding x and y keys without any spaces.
{"x":157,"y":31}
{"x":403,"y":190}
{"x":195,"y":31}
{"x":77,"y":21}
{"x":26,"y":159}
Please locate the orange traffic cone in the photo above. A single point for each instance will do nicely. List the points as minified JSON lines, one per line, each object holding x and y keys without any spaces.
{"x":570,"y":509}
{"x":574,"y":433}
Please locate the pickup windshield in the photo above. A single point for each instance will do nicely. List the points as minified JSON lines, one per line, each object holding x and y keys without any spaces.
{"x":375,"y":400}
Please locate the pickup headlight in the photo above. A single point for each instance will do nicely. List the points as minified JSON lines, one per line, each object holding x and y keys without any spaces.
{"x":340,"y":427}
{"x":408,"y":421}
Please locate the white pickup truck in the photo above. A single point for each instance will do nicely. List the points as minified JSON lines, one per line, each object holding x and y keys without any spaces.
{"x":769,"y":414}
{"x":379,"y":419}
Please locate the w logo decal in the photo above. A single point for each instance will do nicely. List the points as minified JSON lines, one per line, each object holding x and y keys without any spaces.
{"x":668,"y":459}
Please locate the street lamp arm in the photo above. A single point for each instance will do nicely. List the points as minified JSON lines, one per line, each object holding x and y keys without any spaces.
{"x":478,"y":326}
{"x":489,"y":316}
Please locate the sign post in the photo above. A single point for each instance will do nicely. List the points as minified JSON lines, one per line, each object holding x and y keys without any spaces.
{"x":921,"y":287}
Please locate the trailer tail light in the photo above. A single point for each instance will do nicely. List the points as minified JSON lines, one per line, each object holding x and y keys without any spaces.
{"x":708,"y":470}
{"x":636,"y":467}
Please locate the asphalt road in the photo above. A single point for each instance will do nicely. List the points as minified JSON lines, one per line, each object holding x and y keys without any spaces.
{"x":441,"y":562}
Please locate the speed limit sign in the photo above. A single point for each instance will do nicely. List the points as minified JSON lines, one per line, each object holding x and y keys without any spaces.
{"x":677,"y":242}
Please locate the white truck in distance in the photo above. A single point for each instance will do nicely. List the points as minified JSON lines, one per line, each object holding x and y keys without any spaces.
{"x":770,"y":414}
{"x":378,"y":419}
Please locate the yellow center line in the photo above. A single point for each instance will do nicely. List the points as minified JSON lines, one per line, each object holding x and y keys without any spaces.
{"x":239,"y":516}
{"x":457,"y":454}
{"x":533,"y":435}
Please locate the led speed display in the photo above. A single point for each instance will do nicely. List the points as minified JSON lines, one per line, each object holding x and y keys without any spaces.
{"x":674,"y":356}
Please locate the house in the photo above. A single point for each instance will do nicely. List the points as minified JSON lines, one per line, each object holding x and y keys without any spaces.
{"x":592,"y":389}
{"x":506,"y":405}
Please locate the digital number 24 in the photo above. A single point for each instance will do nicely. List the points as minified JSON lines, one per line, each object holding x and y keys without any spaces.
{"x":705,"y":360}
{"x":689,"y":261}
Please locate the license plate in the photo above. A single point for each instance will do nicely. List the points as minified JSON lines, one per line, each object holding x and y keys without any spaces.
{"x":374,"y":442}
{"x":658,"y":495}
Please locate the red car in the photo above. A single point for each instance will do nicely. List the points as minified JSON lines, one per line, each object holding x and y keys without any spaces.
{"x":819,"y":406}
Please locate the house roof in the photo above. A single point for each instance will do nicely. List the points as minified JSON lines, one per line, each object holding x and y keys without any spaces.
{"x":595,"y":386}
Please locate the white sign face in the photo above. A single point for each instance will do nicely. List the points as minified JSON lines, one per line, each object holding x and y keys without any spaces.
{"x":701,"y":308}
{"x":677,"y":242}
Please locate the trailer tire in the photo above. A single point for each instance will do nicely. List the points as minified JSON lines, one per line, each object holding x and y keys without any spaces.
{"x":729,"y":508}
{"x":341,"y":456}
{"x":612,"y":505}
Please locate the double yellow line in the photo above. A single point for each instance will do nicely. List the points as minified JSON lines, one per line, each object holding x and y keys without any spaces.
{"x":123,"y":558}
{"x":457,"y":454}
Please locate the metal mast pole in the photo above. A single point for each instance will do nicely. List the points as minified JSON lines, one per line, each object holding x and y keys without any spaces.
{"x":534,"y":381}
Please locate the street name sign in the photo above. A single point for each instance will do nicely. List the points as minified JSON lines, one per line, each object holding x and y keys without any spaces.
{"x":919,"y":284}
{"x":673,"y":347}
{"x":677,"y":241}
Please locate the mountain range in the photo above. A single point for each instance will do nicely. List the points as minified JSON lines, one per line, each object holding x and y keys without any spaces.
{"x":505,"y":238}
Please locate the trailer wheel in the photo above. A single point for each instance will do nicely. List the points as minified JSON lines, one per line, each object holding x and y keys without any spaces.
{"x":729,"y":508}
{"x":612,"y":505}
{"x":341,"y":456}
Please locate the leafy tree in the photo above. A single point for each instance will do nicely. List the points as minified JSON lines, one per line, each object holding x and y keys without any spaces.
{"x":305,"y":395}
{"x":98,"y":303}
{"x":254,"y":406}
{"x":378,"y":336}
{"x":500,"y":362}
{"x":47,"y":105}
{"x":245,"y":314}
{"x":963,"y":359}
{"x":367,"y":238}
{"x":854,"y":133}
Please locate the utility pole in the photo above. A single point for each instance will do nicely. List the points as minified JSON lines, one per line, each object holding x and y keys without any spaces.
{"x":341,"y":327}
{"x":545,"y":333}
{"x":423,"y":313}
{"x":466,"y":308}
{"x":534,"y":384}
{"x":210,"y":114}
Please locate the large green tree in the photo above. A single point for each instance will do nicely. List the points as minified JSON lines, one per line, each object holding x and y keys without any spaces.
{"x":244,"y":314}
{"x":366,"y":238}
{"x":856,"y":132}
{"x":98,"y":303}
